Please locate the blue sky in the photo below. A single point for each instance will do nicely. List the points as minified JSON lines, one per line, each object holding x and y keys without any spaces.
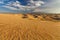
{"x":48,"y":6}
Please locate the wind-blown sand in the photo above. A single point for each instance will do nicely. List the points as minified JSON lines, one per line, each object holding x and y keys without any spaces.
{"x":17,"y":27}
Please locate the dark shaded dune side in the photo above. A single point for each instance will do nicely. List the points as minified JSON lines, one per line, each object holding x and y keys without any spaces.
{"x":48,"y":17}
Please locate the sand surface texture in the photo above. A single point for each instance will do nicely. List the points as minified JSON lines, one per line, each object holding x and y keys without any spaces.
{"x":17,"y":27}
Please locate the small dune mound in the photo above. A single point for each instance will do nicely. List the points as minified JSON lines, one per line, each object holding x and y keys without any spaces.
{"x":31,"y":16}
{"x":25,"y":16}
{"x":39,"y":17}
{"x":47,"y":17}
{"x":56,"y":17}
{"x":21,"y":15}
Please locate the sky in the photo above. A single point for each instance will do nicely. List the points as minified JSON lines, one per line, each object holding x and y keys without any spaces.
{"x":25,"y":6}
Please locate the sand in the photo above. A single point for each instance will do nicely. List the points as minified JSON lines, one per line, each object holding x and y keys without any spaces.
{"x":15,"y":27}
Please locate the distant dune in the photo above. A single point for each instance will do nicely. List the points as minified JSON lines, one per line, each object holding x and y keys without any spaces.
{"x":29,"y":27}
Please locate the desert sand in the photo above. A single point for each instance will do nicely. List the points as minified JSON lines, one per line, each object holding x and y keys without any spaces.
{"x":22,"y":27}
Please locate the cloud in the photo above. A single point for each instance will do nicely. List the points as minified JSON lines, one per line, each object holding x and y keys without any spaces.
{"x":1,"y":2}
{"x":32,"y":5}
{"x":13,"y":5}
{"x":53,"y":6}
{"x":11,"y":8}
{"x":36,"y":3}
{"x":48,"y":6}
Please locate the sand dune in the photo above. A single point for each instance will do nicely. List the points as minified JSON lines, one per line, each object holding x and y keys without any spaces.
{"x":20,"y":27}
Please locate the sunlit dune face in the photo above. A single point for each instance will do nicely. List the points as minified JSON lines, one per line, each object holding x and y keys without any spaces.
{"x":30,"y":16}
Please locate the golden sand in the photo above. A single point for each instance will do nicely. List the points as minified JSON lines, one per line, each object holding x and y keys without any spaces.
{"x":14,"y":27}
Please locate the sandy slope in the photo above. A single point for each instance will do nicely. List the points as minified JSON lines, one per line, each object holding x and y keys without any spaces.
{"x":14,"y":27}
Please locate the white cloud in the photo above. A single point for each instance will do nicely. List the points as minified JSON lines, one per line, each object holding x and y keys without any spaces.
{"x":9,"y":7}
{"x":13,"y":5}
{"x":17,"y":6}
{"x":53,"y":6}
{"x":36,"y":3}
{"x":1,"y":2}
